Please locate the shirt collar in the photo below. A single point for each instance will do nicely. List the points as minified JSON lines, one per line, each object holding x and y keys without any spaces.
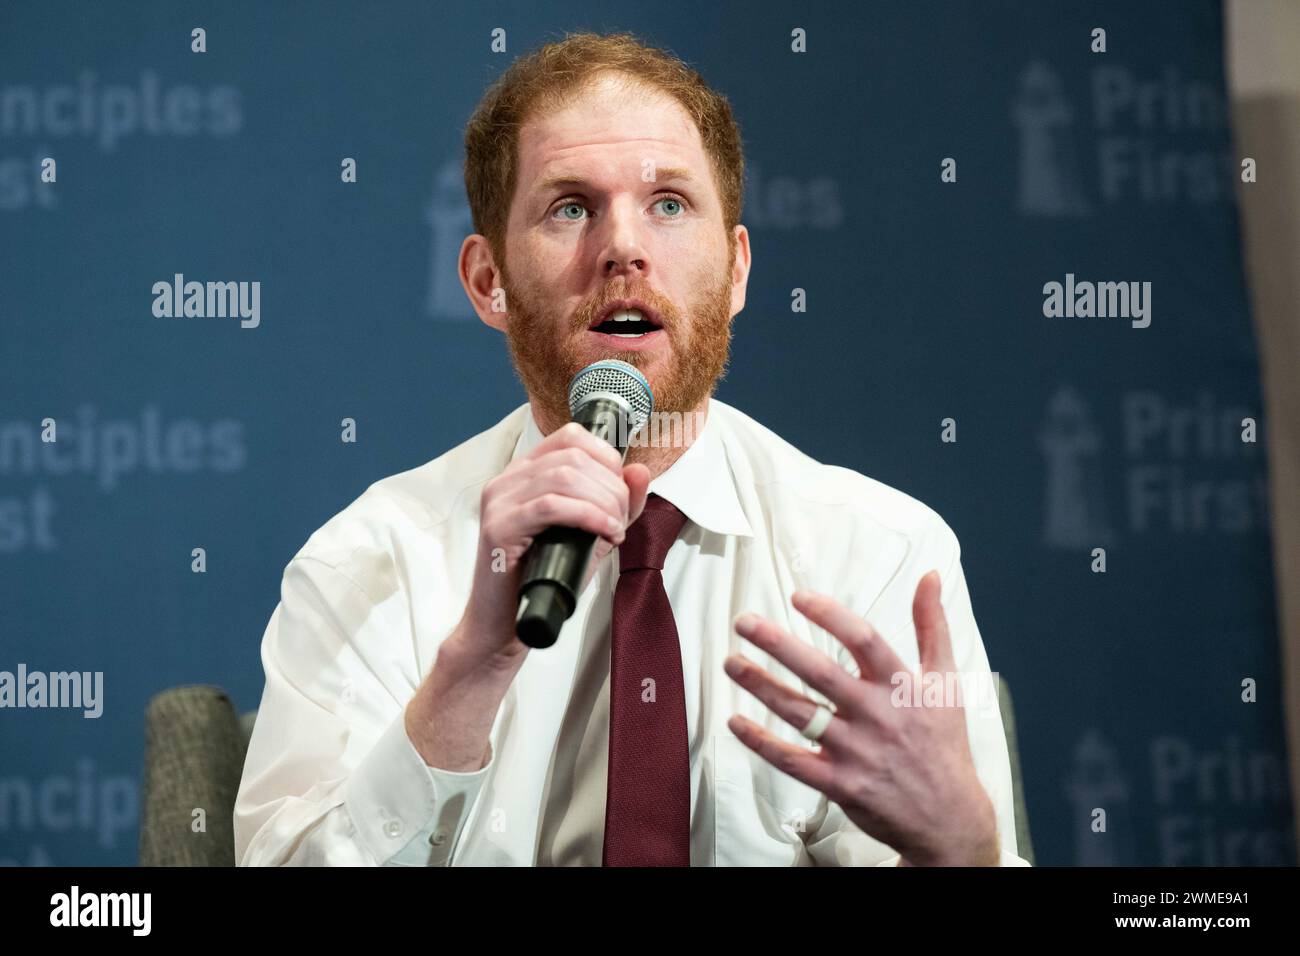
{"x":701,"y":482}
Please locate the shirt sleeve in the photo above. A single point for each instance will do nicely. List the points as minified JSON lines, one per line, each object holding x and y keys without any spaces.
{"x":838,"y":841}
{"x":331,"y":777}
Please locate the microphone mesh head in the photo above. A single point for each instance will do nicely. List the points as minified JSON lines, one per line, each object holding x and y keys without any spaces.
{"x":612,"y":377}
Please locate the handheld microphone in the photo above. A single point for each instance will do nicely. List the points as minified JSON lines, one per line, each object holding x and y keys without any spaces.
{"x":613,"y":401}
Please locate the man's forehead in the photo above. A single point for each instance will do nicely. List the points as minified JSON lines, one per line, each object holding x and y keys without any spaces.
{"x":610,"y":122}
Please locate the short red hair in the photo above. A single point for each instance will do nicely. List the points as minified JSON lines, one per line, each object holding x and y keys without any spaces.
{"x":547,"y":78}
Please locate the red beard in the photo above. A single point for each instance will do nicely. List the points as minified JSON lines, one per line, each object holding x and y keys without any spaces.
{"x":681,"y":376}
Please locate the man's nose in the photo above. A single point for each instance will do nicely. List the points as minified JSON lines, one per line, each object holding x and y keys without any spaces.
{"x":623,"y":251}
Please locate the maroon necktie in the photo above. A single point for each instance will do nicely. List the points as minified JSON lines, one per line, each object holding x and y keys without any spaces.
{"x":648,"y":802}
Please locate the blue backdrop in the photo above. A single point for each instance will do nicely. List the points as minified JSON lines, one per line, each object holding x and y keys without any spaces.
{"x":925,"y":302}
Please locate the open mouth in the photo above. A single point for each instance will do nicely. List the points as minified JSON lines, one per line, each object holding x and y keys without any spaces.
{"x":627,"y":321}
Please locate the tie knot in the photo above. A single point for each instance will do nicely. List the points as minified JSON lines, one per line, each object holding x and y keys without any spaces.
{"x":650,"y":536}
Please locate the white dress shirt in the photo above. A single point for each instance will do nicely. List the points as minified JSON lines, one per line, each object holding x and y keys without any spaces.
{"x":332,"y":778}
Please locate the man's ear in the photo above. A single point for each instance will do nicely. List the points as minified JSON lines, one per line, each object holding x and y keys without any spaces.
{"x":740,"y":270}
{"x":482,"y":281}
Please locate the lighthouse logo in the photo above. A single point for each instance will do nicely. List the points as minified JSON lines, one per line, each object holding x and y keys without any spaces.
{"x":1075,"y":508}
{"x":1050,"y":184}
{"x":1097,"y":785}
{"x":449,"y":219}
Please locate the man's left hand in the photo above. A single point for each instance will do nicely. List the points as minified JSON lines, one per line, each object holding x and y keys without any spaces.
{"x":903,"y":774}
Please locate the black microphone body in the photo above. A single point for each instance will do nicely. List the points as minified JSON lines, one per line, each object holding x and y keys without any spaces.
{"x":557,"y":560}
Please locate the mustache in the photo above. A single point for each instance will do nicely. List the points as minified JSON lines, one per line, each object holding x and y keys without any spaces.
{"x":665,"y":312}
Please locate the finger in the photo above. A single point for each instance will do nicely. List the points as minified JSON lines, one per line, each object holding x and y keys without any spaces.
{"x":932,"y":637}
{"x":876,"y":659}
{"x":556,"y":509}
{"x":813,"y":767}
{"x":573,"y":435}
{"x":520,"y":480}
{"x":585,"y":481}
{"x":816,"y":670}
{"x":637,"y":478}
{"x":579,"y":460}
{"x":792,"y":707}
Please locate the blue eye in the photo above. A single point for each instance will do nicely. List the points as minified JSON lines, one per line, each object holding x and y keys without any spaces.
{"x":673,"y":208}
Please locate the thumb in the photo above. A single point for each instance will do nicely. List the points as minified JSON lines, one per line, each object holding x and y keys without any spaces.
{"x":638,"y":483}
{"x":934,"y":643}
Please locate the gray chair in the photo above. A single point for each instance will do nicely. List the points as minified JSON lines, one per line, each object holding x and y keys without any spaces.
{"x":1024,"y":844}
{"x":194,"y":757}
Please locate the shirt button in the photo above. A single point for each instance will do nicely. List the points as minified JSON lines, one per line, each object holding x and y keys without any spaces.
{"x":438,"y":837}
{"x":393,"y":828}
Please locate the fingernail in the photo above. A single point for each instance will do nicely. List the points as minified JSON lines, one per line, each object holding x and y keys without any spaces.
{"x":745,"y":622}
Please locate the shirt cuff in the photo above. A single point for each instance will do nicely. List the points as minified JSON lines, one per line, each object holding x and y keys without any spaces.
{"x":406,"y":812}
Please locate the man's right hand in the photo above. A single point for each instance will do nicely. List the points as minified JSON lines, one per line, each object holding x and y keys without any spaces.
{"x":572,"y":478}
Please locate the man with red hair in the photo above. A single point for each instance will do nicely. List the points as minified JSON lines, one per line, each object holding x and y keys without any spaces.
{"x":718,"y":695}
